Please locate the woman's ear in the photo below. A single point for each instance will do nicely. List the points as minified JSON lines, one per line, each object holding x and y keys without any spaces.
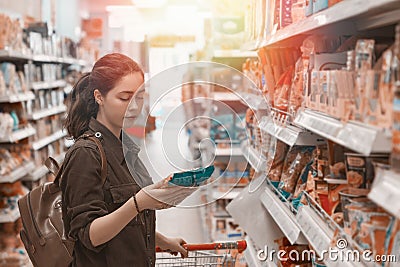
{"x":98,"y":97}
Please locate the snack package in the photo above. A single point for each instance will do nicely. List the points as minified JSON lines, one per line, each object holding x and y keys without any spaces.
{"x":282,"y":92}
{"x":360,"y":169}
{"x":336,"y":161}
{"x":297,"y":91}
{"x":296,"y":159}
{"x":192,"y":177}
{"x":276,"y":159}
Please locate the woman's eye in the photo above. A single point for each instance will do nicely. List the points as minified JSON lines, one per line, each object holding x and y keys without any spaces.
{"x":125,"y":99}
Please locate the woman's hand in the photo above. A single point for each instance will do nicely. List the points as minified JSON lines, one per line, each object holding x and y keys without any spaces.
{"x":172,"y":245}
{"x":162,"y":195}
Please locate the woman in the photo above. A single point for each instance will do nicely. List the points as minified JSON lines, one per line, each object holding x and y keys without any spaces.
{"x":113,"y":224}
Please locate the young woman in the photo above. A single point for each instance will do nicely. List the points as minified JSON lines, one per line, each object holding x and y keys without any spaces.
{"x":113,"y":224}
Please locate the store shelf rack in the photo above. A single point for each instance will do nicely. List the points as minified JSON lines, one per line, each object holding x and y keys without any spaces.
{"x":255,"y":158}
{"x":15,"y":98}
{"x":365,"y":14}
{"x":231,"y":193}
{"x":234,"y":151}
{"x":356,"y":136}
{"x":47,"y":112}
{"x":48,"y":85}
{"x":19,"y":135}
{"x":225,"y":97}
{"x":18,"y":173}
{"x":251,"y":256}
{"x":10,"y":217}
{"x":386,"y":191}
{"x":49,"y":139}
{"x":42,"y":171}
{"x":283,"y":216}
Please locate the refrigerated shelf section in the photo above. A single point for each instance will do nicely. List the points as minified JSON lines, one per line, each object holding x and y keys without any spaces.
{"x":359,"y":137}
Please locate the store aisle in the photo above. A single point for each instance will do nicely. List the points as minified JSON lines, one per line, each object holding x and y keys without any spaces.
{"x":174,"y":222}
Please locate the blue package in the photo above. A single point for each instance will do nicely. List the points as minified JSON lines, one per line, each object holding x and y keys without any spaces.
{"x":193,"y":177}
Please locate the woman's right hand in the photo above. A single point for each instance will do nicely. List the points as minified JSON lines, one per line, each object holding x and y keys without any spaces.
{"x":162,"y":195}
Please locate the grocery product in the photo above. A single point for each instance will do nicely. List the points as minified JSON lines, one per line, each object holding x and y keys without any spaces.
{"x":276,"y":159}
{"x":192,"y":177}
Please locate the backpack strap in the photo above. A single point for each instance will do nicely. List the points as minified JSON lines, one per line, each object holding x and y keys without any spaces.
{"x":52,"y":163}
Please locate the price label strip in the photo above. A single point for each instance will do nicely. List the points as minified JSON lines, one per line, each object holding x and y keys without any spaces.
{"x":284,"y":218}
{"x":314,"y":229}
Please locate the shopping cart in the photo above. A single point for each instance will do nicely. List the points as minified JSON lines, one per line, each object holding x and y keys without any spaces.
{"x":199,"y":256}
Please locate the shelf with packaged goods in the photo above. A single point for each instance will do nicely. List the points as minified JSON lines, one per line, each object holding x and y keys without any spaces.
{"x":47,"y":112}
{"x":386,"y":191}
{"x":345,"y":17}
{"x":42,"y":171}
{"x":356,"y":136}
{"x":48,"y":85}
{"x":21,"y":97}
{"x":19,"y":135}
{"x":290,"y":134}
{"x":11,"y":55}
{"x":49,"y":139}
{"x":234,"y":151}
{"x":18,"y":173}
{"x":255,"y":158}
{"x":62,"y":60}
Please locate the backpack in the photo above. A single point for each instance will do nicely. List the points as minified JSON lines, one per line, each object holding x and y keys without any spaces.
{"x":43,"y":232}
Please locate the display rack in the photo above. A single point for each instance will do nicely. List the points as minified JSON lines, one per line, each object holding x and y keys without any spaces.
{"x":386,"y":191}
{"x":364,"y":14}
{"x":18,"y":173}
{"x":43,"y":170}
{"x":19,"y":135}
{"x":234,"y":151}
{"x":283,"y":216}
{"x":255,"y":158}
{"x":356,"y":136}
{"x":22,"y":97}
{"x":49,"y":139}
{"x":47,"y":112}
{"x":10,"y":217}
{"x":48,"y":85}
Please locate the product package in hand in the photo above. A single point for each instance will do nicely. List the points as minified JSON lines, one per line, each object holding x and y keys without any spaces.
{"x":192,"y":177}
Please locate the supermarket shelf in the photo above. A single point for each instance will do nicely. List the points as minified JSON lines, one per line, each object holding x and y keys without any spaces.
{"x":291,"y":134}
{"x":251,"y":257}
{"x":255,"y":158}
{"x":226,"y":195}
{"x":47,"y":140}
{"x":62,"y":60}
{"x":14,"y":55}
{"x":362,"y":11}
{"x":48,"y":85}
{"x":228,"y":152}
{"x":42,"y":171}
{"x":234,"y":54}
{"x":359,"y":137}
{"x":314,"y":229}
{"x":18,"y":173}
{"x":386,"y":191}
{"x":47,"y":112}
{"x":10,"y":217}
{"x":283,"y":217}
{"x":218,"y":96}
{"x":19,"y":135}
{"x":17,"y":98}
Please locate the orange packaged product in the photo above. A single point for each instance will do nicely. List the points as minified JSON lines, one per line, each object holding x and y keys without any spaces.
{"x":282,"y":93}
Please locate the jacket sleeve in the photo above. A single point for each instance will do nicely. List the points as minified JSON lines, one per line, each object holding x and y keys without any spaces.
{"x":83,"y":194}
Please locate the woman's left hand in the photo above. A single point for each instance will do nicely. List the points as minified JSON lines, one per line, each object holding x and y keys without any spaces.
{"x":173,"y":246}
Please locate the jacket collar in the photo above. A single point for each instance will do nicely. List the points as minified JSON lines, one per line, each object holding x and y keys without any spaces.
{"x":112,"y":144}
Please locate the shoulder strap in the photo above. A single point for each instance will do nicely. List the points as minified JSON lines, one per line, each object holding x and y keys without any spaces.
{"x":51,"y":163}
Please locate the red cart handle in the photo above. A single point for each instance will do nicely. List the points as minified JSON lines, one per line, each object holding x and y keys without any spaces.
{"x":240,"y":245}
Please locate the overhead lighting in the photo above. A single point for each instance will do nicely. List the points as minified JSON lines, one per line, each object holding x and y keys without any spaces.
{"x":148,"y":3}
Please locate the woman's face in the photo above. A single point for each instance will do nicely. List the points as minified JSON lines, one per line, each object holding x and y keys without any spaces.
{"x":115,"y":105}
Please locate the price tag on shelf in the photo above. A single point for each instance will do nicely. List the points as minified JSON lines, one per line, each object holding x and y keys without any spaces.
{"x":282,"y":216}
{"x":312,"y":227}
